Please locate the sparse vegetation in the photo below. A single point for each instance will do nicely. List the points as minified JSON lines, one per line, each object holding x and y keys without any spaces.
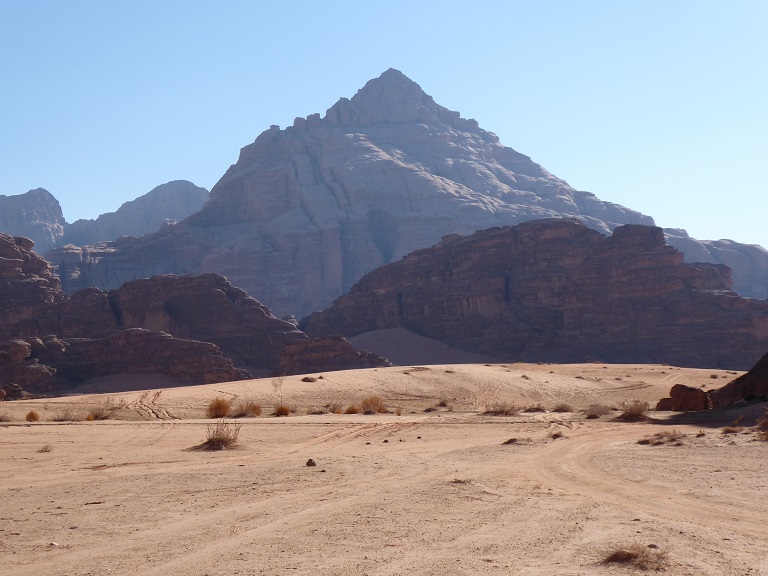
{"x":247,"y":409}
{"x":596,"y":410}
{"x":443,"y":403}
{"x":373,"y":405}
{"x":105,"y":412}
{"x":222,"y":435}
{"x":32,"y":416}
{"x":334,"y":408}
{"x":218,"y":408}
{"x":562,"y":407}
{"x":66,"y":416}
{"x":277,"y":386}
{"x":761,"y":429}
{"x":5,"y":418}
{"x":282,"y":410}
{"x":352,"y":409}
{"x":501,"y":409}
{"x":534,"y":408}
{"x":733,"y":430}
{"x":46,"y":448}
{"x":637,"y":556}
{"x":633,"y":411}
{"x":309,"y":379}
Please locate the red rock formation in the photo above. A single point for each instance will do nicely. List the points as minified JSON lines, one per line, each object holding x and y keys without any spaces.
{"x":554,"y":290}
{"x":27,"y":283}
{"x":135,"y":351}
{"x":325,"y":355}
{"x":686,"y":398}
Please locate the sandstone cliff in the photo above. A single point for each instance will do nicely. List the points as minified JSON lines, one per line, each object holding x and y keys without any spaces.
{"x":27,"y":283}
{"x":555,"y":290}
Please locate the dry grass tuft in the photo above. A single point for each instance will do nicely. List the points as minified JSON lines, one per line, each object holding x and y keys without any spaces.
{"x":218,"y":408}
{"x":761,"y":429}
{"x":105,"y":412}
{"x":373,"y":405}
{"x":5,"y":418}
{"x":334,"y":408}
{"x":596,"y":410}
{"x":282,"y":410}
{"x":66,"y":416}
{"x":500,"y":408}
{"x":352,"y":409}
{"x":309,"y":379}
{"x":634,"y":411}
{"x":534,"y":408}
{"x":222,"y":435}
{"x":562,"y":407}
{"x":733,"y":430}
{"x":46,"y":448}
{"x":32,"y":416}
{"x":247,"y":409}
{"x":637,"y":556}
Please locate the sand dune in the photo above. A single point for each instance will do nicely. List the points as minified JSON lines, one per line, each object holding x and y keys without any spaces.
{"x":420,"y":493}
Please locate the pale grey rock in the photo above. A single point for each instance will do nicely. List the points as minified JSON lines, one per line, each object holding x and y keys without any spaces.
{"x":749,"y":262}
{"x":35,"y":215}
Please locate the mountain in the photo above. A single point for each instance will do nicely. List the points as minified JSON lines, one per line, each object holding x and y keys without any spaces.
{"x":557,"y":291}
{"x":307,"y":210}
{"x":172,"y":201}
{"x":37,"y":215}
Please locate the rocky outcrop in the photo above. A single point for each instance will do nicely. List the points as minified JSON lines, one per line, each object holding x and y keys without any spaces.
{"x":30,"y":363}
{"x":325,"y":354}
{"x":748,"y":262}
{"x":555,"y":290}
{"x":35,"y":215}
{"x":206,"y":308}
{"x":684,"y":398}
{"x":27,"y":283}
{"x":146,"y":214}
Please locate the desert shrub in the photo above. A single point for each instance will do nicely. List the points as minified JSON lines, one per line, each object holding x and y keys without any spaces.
{"x":443,"y":403}
{"x":5,"y":418}
{"x":32,"y":416}
{"x":281,"y":410}
{"x":500,"y":408}
{"x":534,"y":408}
{"x":562,"y":407}
{"x":596,"y":410}
{"x":66,"y":416}
{"x":430,"y":409}
{"x":105,"y":412}
{"x":634,"y":411}
{"x":309,"y":379}
{"x":311,"y":411}
{"x":247,"y":409}
{"x":637,"y":556}
{"x":334,"y":408}
{"x":352,"y":409}
{"x":46,"y":448}
{"x":556,"y":435}
{"x":373,"y":404}
{"x":398,"y":411}
{"x":733,"y":429}
{"x":218,"y":408}
{"x":222,"y":435}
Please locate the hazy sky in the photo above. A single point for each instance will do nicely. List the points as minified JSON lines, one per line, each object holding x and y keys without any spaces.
{"x":659,"y":105}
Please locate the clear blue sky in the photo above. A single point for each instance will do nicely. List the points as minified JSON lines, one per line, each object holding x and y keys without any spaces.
{"x":659,"y":105}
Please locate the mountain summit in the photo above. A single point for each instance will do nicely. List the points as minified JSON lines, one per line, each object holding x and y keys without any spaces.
{"x":307,"y":210}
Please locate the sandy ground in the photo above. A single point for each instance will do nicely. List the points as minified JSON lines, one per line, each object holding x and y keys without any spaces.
{"x":426,"y":493}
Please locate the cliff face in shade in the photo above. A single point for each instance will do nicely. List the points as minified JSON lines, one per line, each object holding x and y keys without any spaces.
{"x":205,"y":308}
{"x":306,"y":211}
{"x":555,"y":290}
{"x":172,"y":201}
{"x":133,"y":351}
{"x":35,"y":215}
{"x":27,"y":283}
{"x":325,"y":354}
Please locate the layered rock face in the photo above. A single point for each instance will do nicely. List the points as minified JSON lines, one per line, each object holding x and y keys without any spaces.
{"x":306,"y":211}
{"x":325,"y":355}
{"x":30,"y":363}
{"x":555,"y":290}
{"x":749,"y":262}
{"x":27,"y":283}
{"x":168,"y":202}
{"x":35,"y":215}
{"x":205,"y":308}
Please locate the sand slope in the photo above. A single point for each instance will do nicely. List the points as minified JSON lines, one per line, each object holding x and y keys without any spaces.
{"x":420,"y":493}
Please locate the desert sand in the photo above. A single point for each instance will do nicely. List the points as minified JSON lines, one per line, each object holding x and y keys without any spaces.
{"x":421,"y":493}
